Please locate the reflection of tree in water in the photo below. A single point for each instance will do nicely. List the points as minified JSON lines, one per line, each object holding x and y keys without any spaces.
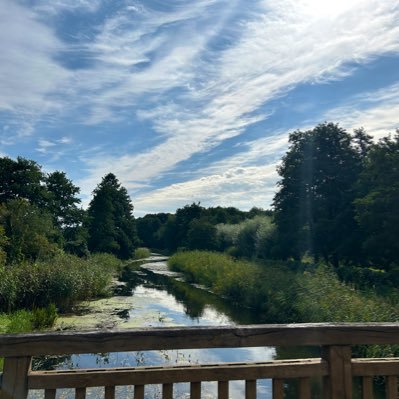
{"x":194,"y":300}
{"x":51,"y":362}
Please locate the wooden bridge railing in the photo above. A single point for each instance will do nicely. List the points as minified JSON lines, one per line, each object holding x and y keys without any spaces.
{"x":336,"y":365}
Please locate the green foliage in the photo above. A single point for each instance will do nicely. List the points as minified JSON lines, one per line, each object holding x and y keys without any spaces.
{"x":63,"y":280}
{"x":44,"y":317}
{"x":377,"y":209}
{"x":141,"y":253}
{"x":111,"y":223}
{"x":314,"y":205}
{"x":284,"y":292}
{"x":201,"y":235}
{"x":30,"y":231}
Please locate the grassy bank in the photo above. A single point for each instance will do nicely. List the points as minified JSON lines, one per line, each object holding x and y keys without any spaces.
{"x":62,"y":281}
{"x":284,"y":292}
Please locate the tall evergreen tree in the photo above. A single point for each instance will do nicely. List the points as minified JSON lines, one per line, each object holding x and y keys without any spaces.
{"x":314,"y":205}
{"x":111,"y":222}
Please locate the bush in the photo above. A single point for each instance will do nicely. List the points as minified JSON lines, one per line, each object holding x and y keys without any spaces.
{"x":141,"y":253}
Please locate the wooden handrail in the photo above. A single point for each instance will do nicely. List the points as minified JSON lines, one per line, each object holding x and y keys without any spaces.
{"x":336,"y":365}
{"x":318,"y":334}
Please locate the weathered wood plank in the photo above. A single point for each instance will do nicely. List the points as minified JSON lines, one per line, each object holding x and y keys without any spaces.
{"x":339,"y":381}
{"x":223,"y":390}
{"x":250,"y":389}
{"x":367,"y":388}
{"x":373,"y":366}
{"x":15,"y":378}
{"x":80,"y":393}
{"x":278,"y":388}
{"x":50,"y":394}
{"x":195,"y":390}
{"x":167,"y":391}
{"x":139,"y":392}
{"x":160,"y":375}
{"x":304,"y":388}
{"x":391,"y":388}
{"x":109,"y":392}
{"x":67,"y":342}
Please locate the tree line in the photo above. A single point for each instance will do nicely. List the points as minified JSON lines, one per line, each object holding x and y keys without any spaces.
{"x":337,"y":201}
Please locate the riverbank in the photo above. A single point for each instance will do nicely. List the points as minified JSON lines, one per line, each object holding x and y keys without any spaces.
{"x":284,"y":292}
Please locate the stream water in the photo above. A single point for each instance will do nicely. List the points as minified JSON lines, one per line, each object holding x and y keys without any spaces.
{"x":153,"y":297}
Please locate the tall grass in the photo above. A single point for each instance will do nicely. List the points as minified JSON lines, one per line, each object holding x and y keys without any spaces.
{"x":63,"y":280}
{"x":284,"y":293}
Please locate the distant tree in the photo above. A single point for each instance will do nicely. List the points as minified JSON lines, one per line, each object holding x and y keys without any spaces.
{"x":184,"y":216}
{"x":314,"y":209}
{"x":377,"y":208}
{"x":167,"y":234}
{"x":201,"y":235}
{"x":147,"y":230}
{"x":111,"y":224}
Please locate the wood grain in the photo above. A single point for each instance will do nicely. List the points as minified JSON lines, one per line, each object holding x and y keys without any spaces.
{"x":58,"y":343}
{"x":162,"y":375}
{"x":15,"y":378}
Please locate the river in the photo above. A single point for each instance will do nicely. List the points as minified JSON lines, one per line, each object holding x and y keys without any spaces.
{"x":152,"y":297}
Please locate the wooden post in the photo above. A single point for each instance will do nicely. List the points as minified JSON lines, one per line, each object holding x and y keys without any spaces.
{"x":15,"y":378}
{"x":339,"y":382}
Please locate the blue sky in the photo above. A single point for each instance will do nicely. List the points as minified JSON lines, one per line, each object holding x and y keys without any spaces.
{"x":189,"y":100}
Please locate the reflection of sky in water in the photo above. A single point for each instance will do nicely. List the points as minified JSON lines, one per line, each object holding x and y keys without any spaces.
{"x":158,"y":308}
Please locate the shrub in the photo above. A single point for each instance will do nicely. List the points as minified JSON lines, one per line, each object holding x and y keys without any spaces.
{"x":141,"y":253}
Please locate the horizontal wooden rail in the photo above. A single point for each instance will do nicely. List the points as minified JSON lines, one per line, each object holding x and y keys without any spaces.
{"x":63,"y":343}
{"x":160,"y":375}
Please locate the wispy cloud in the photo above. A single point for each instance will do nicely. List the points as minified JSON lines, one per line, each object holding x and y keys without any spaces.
{"x":376,"y":111}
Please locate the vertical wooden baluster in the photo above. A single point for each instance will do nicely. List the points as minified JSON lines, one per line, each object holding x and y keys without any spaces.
{"x":167,"y":391}
{"x":80,"y":393}
{"x":250,"y":389}
{"x":304,"y":388}
{"x":195,"y":390}
{"x":339,"y":380}
{"x":15,"y":377}
{"x":139,"y":392}
{"x":391,"y":389}
{"x":367,"y":388}
{"x":49,"y":394}
{"x":223,"y":389}
{"x":278,"y":389}
{"x":109,"y":393}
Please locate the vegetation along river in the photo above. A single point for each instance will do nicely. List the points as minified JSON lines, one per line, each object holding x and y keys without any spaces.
{"x":153,"y":296}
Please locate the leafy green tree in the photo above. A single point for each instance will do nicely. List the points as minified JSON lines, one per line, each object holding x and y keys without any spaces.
{"x":314,"y":209}
{"x":62,"y":201}
{"x":21,"y":179}
{"x":377,"y":208}
{"x":201,"y":235}
{"x":184,"y":216}
{"x":29,"y":230}
{"x":111,"y":223}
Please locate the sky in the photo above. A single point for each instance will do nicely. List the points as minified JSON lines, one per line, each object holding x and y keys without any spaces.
{"x":189,"y":100}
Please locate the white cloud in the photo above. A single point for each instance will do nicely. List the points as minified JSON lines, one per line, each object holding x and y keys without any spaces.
{"x":376,"y":111}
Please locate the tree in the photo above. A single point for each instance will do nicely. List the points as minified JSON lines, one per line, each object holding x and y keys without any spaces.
{"x":377,"y":206}
{"x":201,"y":235}
{"x":21,"y":179}
{"x":111,"y":223}
{"x":314,"y":209}
{"x":29,"y":230}
{"x":62,"y":201}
